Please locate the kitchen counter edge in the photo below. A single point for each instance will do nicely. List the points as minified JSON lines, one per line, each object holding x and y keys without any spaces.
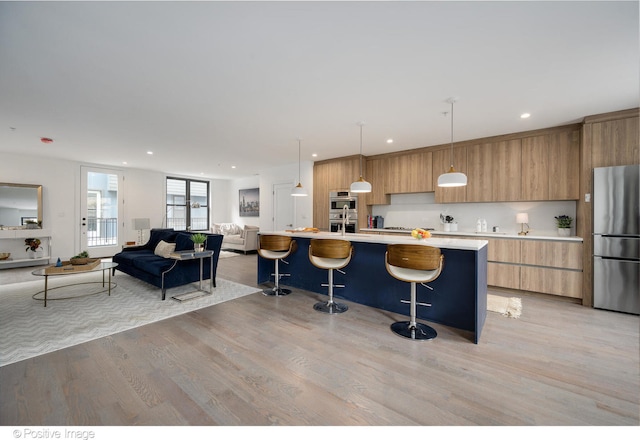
{"x":480,"y":234}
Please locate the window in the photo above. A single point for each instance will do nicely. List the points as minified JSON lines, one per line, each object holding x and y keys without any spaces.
{"x":187,"y":204}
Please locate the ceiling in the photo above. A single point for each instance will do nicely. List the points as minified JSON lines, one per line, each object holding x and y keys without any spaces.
{"x":211,"y":85}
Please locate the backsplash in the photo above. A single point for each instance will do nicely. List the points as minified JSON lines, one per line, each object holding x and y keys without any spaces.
{"x":420,"y":210}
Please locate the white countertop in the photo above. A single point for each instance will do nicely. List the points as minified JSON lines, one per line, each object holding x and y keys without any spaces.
{"x":444,"y":243}
{"x":529,"y":236}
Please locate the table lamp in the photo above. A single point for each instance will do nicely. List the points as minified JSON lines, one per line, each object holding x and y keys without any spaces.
{"x":140,"y":224}
{"x":523,"y":219}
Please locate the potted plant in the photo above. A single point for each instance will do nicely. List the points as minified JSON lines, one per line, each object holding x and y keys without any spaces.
{"x":564,"y":225}
{"x":198,"y":241}
{"x":81,"y":258}
{"x":33,"y":245}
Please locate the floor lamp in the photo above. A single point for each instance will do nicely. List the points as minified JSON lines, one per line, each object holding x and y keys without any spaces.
{"x":141,"y":224}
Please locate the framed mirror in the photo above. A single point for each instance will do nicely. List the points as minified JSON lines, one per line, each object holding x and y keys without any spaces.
{"x":20,"y":205}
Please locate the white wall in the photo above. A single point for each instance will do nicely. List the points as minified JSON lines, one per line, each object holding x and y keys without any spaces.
{"x":144,"y":195}
{"x":420,"y":210}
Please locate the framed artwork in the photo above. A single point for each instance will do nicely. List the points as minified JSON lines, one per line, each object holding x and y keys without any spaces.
{"x":249,"y":203}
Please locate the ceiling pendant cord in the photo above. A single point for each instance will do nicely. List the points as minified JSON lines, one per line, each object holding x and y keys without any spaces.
{"x":360,"y":185}
{"x":452,"y":178}
{"x":298,"y":190}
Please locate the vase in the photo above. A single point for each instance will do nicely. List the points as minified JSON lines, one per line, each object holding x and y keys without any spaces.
{"x":198,"y":247}
{"x":564,"y":232}
{"x":447,"y":227}
{"x":38,"y":253}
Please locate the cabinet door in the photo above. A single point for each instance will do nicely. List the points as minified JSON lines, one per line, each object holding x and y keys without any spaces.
{"x":503,"y":275}
{"x":564,"y":166}
{"x":535,"y":168}
{"x":560,"y":254}
{"x":409,"y":173}
{"x":552,"y":281}
{"x":376,"y":175}
{"x":479,"y":161}
{"x":441,"y":160}
{"x":506,"y":169}
{"x":321,"y":196}
{"x":504,"y":250}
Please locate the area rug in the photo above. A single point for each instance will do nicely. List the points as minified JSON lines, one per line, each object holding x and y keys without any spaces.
{"x":29,"y":329}
{"x":228,"y":254}
{"x":511,"y":307}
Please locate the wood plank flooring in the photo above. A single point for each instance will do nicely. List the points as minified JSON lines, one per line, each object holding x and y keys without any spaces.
{"x":260,"y":360}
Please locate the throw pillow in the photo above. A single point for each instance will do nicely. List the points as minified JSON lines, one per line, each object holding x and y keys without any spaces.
{"x":163,"y":249}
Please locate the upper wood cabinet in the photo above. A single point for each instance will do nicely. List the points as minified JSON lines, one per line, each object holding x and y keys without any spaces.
{"x":441,"y":160}
{"x":551,"y":166}
{"x":376,"y":176}
{"x":331,"y":175}
{"x":494,"y":171}
{"x":409,"y":173}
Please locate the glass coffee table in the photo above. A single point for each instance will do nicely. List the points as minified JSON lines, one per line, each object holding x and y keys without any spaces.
{"x":69,"y":271}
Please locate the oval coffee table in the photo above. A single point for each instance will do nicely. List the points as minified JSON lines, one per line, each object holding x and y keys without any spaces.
{"x":69,"y":271}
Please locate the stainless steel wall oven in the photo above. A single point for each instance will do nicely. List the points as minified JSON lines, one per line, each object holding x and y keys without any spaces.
{"x":343,"y":209}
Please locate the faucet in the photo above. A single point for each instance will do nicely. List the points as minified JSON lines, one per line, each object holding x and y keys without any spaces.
{"x":345,"y":218}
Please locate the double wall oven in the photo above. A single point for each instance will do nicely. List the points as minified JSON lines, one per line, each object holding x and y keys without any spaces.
{"x":343,"y":207}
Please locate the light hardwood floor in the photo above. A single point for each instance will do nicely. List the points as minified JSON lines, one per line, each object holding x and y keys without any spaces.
{"x":261,"y":360}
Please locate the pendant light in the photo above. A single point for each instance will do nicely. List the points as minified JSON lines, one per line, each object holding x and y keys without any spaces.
{"x":452,"y":178}
{"x":298,"y":190}
{"x":360,"y":185}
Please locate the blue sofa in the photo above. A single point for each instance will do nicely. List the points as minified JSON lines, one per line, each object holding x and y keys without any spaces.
{"x":141,"y":262}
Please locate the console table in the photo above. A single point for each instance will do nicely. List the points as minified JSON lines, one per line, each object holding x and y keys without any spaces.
{"x":12,"y":240}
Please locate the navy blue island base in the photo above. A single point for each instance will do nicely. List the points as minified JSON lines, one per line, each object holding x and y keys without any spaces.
{"x":458,"y":298}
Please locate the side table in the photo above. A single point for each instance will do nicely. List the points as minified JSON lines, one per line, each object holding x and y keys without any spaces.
{"x":192,"y":256}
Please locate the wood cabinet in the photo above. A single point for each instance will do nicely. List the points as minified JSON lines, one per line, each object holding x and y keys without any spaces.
{"x":553,"y":267}
{"x":503,"y":266}
{"x":441,"y":160}
{"x":494,"y":171}
{"x":409,"y":173}
{"x":552,"y":281}
{"x":334,"y":175}
{"x":560,"y":254}
{"x":376,"y":175}
{"x":551,"y":166}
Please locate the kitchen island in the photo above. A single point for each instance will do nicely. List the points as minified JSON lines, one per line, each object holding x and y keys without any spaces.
{"x":458,"y":298}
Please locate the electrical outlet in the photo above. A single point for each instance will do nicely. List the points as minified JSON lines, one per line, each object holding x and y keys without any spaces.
{"x":587,"y":197}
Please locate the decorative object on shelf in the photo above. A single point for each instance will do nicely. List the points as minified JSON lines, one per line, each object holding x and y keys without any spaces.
{"x":31,"y":224}
{"x":523,"y":219}
{"x":32,"y":244}
{"x":360,"y":185}
{"x":141,"y":224}
{"x":564,"y":225}
{"x":452,"y":178}
{"x":198,"y":241}
{"x":58,"y":263}
{"x":81,"y":258}
{"x":298,"y":190}
{"x":5,"y":255}
{"x":420,"y":234}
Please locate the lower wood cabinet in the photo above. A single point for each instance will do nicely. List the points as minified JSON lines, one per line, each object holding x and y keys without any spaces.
{"x":552,"y":281}
{"x":503,"y":275}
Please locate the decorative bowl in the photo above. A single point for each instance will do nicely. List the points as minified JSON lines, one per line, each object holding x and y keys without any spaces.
{"x":4,"y":255}
{"x":80,"y":261}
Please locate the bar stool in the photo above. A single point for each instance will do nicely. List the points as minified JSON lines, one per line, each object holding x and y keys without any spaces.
{"x":330,"y":254}
{"x":414,"y":263}
{"x":276,"y":247}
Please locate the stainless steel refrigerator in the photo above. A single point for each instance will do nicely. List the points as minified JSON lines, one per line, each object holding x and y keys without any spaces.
{"x":616,"y":238}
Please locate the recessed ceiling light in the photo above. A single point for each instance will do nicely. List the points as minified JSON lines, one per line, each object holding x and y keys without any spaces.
{"x":233,"y":167}
{"x":124,"y":163}
{"x":389,"y":141}
{"x":149,"y":152}
{"x":314,"y":155}
{"x":525,"y":115}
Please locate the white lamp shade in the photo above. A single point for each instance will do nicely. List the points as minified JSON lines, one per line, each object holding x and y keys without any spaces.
{"x":141,"y":223}
{"x":298,"y":191}
{"x":452,"y":179}
{"x":360,"y":186}
{"x":522,"y":217}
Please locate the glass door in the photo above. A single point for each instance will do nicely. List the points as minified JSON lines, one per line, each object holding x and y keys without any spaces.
{"x":100,"y":213}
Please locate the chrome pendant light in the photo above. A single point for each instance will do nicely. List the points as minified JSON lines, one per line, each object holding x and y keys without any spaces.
{"x":360,"y":185}
{"x":452,"y":178}
{"x":298,"y":190}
